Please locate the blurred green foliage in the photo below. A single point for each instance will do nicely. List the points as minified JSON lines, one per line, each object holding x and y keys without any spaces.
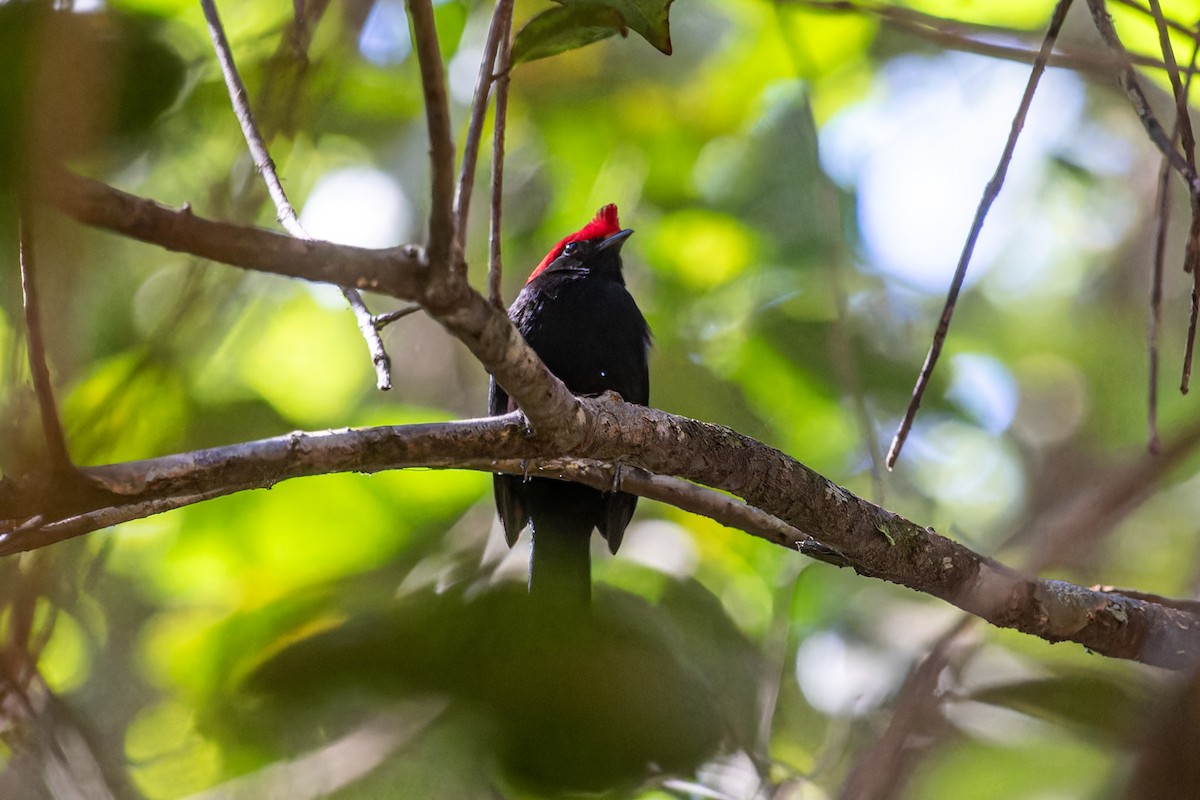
{"x":231,"y":640}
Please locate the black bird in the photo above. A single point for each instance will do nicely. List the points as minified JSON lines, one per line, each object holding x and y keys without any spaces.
{"x":577,"y":315}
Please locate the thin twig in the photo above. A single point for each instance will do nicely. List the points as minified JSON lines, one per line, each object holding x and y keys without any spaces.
{"x":495,"y":259}
{"x":284,"y":211}
{"x":1190,"y":348}
{"x":1128,"y":81}
{"x":990,"y":193}
{"x":440,"y":248}
{"x":483,"y":85}
{"x":1183,"y":121}
{"x":52,"y":431}
{"x":381,"y":321}
{"x":1163,"y":204}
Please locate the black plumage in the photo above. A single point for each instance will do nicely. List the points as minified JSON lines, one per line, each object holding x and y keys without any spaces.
{"x":577,"y":314}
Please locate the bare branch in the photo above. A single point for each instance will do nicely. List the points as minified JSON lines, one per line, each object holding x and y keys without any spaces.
{"x":441,"y":246}
{"x":495,"y":261}
{"x":283,"y":207}
{"x":990,"y":193}
{"x":1163,"y":204}
{"x":52,"y":431}
{"x":381,"y":321}
{"x":398,"y":271}
{"x":501,"y":19}
{"x":1128,"y":81}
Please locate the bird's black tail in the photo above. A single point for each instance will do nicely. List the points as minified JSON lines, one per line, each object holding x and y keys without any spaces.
{"x":562,"y":516}
{"x":560,"y":568}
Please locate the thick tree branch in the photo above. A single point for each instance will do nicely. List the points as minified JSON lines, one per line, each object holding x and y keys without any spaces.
{"x":874,"y":541}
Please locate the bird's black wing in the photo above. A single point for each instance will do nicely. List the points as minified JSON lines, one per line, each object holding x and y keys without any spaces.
{"x":505,"y":488}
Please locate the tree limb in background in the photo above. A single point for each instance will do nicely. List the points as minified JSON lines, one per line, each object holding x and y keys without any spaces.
{"x":968,"y":37}
{"x":52,"y":431}
{"x":990,"y":193}
{"x":284,"y":212}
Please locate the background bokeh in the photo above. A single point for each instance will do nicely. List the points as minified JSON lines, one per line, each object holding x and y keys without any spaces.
{"x":800,"y":182}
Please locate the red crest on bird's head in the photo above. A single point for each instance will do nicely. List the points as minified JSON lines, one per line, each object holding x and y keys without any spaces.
{"x":603,"y":225}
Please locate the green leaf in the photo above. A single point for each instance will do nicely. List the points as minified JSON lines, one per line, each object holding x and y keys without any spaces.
{"x":648,"y":18}
{"x":567,"y":27}
{"x":1096,"y":704}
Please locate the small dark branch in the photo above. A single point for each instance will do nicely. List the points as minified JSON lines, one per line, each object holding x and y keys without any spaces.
{"x":1128,"y":81}
{"x":440,"y":249}
{"x":52,"y":431}
{"x":483,"y":86}
{"x":1189,"y":350}
{"x":990,"y":193}
{"x":398,"y":271}
{"x":1183,"y":120}
{"x":495,"y":261}
{"x":1163,"y":198}
{"x":1163,"y":203}
{"x":284,"y":212}
{"x":381,"y":321}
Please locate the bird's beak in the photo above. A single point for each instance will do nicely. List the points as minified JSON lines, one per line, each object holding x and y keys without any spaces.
{"x":616,"y":240}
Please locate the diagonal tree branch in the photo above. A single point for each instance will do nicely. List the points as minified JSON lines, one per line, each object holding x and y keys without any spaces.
{"x":43,"y":387}
{"x":990,"y":193}
{"x":284,"y":211}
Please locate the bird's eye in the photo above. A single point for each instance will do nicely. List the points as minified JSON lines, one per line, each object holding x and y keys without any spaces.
{"x":570,"y":248}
